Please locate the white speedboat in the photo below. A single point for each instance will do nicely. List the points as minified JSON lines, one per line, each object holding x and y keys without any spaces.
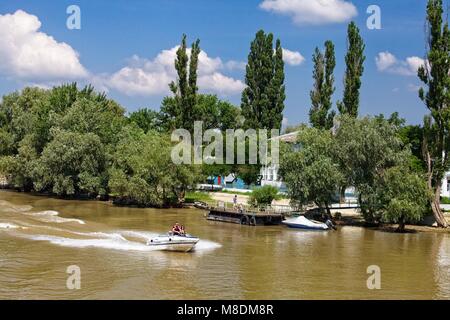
{"x":171,"y":242}
{"x":303,"y":223}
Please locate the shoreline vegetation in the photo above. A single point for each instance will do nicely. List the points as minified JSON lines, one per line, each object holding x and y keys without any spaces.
{"x":72,"y":142}
{"x":341,"y":218}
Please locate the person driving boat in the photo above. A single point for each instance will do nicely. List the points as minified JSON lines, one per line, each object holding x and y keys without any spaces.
{"x":176,"y":229}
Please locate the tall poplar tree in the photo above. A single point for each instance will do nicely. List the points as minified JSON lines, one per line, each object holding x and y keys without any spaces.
{"x":185,"y":87}
{"x":263,"y":99}
{"x":320,"y":115}
{"x":355,"y":67}
{"x":435,"y":76}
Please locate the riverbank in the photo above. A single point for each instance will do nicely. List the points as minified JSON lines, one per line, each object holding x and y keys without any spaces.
{"x":343,"y":217}
{"x":353,"y":218}
{"x":359,"y":222}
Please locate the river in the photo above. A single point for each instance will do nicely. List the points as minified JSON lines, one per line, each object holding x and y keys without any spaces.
{"x":41,"y":237}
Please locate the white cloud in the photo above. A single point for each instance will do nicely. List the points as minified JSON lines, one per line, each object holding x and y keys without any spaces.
{"x":139,"y":81}
{"x":293,"y":58}
{"x":220,"y":84}
{"x":28,"y":54}
{"x":387,"y":62}
{"x":151,"y":77}
{"x":313,"y":12}
{"x":235,"y":65}
{"x":414,"y":63}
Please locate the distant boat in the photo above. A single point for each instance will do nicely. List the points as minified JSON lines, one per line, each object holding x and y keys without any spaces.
{"x":303,"y":223}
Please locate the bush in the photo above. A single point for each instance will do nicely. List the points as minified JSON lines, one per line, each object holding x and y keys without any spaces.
{"x":403,"y":197}
{"x":263,"y":196}
{"x":445,"y":200}
{"x":311,"y":173}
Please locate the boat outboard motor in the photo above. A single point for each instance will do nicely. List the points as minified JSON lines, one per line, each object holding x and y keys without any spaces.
{"x":330,"y":224}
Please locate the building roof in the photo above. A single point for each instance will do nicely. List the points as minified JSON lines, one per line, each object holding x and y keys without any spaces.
{"x":288,"y":137}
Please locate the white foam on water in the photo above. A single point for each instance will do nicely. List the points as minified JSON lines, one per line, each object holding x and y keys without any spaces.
{"x":113,"y":241}
{"x":206,"y":245}
{"x":8,"y":226}
{"x":145,"y":235}
{"x":45,"y":213}
{"x":53,"y":216}
{"x":104,"y":235}
{"x":113,"y":244}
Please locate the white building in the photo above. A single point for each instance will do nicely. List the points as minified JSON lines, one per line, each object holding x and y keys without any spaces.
{"x":269,"y":176}
{"x":269,"y":172}
{"x":445,"y":189}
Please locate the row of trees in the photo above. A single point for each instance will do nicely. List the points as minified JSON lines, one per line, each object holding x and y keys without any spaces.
{"x":321,"y":115}
{"x":396,"y":169}
{"x":262,"y":102}
{"x":367,"y":154}
{"x":71,"y":142}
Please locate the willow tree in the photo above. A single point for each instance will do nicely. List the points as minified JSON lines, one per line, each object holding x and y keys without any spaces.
{"x":139,"y":175}
{"x":185,"y":89}
{"x":311,"y":174}
{"x":355,"y":67}
{"x":435,"y":75}
{"x":365,"y":148}
{"x":321,"y":96}
{"x":263,"y":99}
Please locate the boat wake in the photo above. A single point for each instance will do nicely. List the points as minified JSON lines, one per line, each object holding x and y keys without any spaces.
{"x":111,"y":241}
{"x":5,"y":225}
{"x":52,"y":216}
{"x":48,"y":226}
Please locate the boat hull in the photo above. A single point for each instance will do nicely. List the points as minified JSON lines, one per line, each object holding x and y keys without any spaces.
{"x":175,"y":247}
{"x":173,"y":243}
{"x":296,"y":226}
{"x":305,"y":224}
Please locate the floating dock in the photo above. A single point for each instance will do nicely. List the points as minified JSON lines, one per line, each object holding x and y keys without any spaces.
{"x":244,"y":217}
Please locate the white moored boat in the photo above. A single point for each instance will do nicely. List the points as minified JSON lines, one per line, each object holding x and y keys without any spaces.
{"x":171,"y":242}
{"x":303,"y":223}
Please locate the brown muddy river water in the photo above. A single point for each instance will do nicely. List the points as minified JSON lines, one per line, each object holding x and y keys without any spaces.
{"x":41,"y":237}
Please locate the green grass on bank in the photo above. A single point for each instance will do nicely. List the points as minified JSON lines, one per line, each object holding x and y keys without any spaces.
{"x":280,"y":195}
{"x":192,"y":196}
{"x":239,"y":193}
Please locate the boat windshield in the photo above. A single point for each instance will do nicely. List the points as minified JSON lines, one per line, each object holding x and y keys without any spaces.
{"x":171,"y":234}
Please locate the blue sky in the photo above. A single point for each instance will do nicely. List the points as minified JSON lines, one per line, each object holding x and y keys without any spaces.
{"x":124,"y":47}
